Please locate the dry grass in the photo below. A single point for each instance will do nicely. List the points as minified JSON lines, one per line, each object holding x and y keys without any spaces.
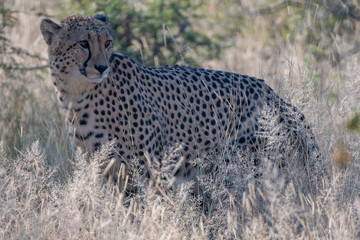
{"x":47,"y":191}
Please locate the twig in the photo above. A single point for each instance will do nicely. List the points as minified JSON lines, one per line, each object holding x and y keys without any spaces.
{"x":276,"y":8}
{"x":339,"y":57}
{"x":351,"y":10}
{"x":30,"y":68}
{"x":344,"y":9}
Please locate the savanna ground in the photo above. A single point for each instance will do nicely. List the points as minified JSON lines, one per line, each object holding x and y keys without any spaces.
{"x":306,"y":50}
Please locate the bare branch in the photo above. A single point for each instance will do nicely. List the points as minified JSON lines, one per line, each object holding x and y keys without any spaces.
{"x":343,"y":9}
{"x":351,"y":10}
{"x":31,"y":68}
{"x":337,"y":58}
{"x":20,"y":68}
{"x":277,"y":8}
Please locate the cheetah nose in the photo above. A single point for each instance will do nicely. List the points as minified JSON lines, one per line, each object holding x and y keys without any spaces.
{"x":101,"y":68}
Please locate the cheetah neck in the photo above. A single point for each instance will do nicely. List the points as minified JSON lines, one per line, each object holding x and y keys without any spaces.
{"x":71,"y":93}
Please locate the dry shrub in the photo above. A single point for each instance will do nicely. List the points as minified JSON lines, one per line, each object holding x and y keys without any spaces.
{"x":35,"y":205}
{"x":239,"y":200}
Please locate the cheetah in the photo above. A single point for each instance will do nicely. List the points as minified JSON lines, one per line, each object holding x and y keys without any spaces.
{"x":108,"y":96}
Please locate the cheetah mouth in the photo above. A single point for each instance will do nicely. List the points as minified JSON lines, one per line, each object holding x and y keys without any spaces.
{"x":95,"y":80}
{"x":96,"y":77}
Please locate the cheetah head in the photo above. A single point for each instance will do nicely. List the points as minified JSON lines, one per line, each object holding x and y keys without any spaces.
{"x":79,"y":48}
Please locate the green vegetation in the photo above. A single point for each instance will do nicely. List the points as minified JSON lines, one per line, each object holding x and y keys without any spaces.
{"x":165,"y":31}
{"x":154,"y":32}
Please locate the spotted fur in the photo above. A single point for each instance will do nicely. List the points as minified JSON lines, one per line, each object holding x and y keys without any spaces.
{"x":108,"y":96}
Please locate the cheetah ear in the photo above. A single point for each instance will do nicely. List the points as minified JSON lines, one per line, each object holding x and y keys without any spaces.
{"x":102,"y":17}
{"x":49,"y":29}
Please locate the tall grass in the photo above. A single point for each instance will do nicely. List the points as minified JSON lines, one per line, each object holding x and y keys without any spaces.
{"x":234,"y":204}
{"x":49,"y":191}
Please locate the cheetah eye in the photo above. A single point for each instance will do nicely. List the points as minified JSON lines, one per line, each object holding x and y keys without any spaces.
{"x":84,"y":44}
{"x":107,"y":43}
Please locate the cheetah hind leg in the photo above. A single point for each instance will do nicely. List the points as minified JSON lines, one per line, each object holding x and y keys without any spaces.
{"x":289,"y":142}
